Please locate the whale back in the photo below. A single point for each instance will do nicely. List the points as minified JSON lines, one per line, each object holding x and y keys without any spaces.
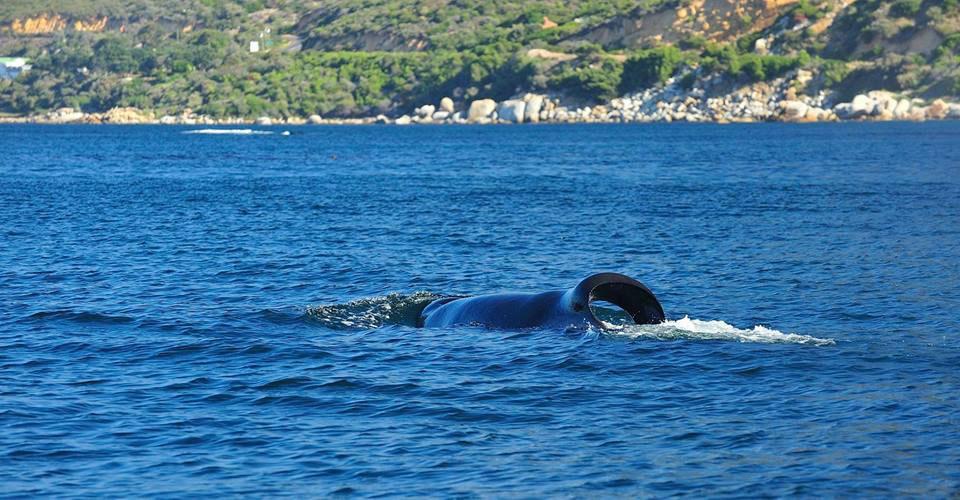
{"x":555,"y":308}
{"x":503,"y":310}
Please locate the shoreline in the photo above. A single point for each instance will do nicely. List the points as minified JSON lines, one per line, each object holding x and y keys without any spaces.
{"x":348,"y":122}
{"x":713,"y":101}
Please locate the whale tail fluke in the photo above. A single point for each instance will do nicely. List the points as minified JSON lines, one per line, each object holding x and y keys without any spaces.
{"x":623,"y":291}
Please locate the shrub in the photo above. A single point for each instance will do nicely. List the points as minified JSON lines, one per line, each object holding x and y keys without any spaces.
{"x":905,"y":8}
{"x":598,"y":82}
{"x":833,"y":72}
{"x":650,"y":67}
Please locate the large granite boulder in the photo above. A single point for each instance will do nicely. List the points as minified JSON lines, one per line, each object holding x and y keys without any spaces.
{"x":937,"y":110}
{"x":860,"y":107}
{"x":425,"y":111}
{"x":794,"y":111}
{"x":446,"y":104}
{"x":511,"y":110}
{"x":902,"y":110}
{"x":531,"y":112}
{"x":481,"y":108}
{"x":953,"y":111}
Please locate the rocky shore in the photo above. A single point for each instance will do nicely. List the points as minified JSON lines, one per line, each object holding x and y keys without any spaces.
{"x":713,"y":100}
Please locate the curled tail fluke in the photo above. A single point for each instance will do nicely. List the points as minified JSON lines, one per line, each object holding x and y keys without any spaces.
{"x":623,"y":291}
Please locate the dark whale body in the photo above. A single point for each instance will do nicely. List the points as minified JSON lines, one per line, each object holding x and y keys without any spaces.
{"x":558,"y":308}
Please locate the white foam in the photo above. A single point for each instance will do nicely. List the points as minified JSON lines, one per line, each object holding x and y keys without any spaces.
{"x":228,"y":131}
{"x":688,"y":328}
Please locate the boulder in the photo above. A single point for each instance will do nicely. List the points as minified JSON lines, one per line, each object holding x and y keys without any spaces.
{"x":315,"y":119}
{"x":264,"y":120}
{"x":481,"y":108}
{"x":886,"y":102}
{"x":902,"y":110}
{"x":126,"y":116}
{"x":381,"y":120}
{"x":403,"y":120}
{"x":815,"y":114}
{"x":861,"y":105}
{"x":446,"y":104}
{"x":937,"y":110}
{"x":168,"y":120}
{"x":532,"y":111}
{"x":953,"y":111}
{"x":844,"y":111}
{"x":441,"y":116}
{"x":794,"y":111}
{"x":425,"y":111}
{"x":761,"y":46}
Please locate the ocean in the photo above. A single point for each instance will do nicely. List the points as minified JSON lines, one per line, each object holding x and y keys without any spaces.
{"x":185,"y":314}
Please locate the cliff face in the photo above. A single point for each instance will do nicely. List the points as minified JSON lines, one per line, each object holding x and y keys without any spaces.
{"x":715,"y":20}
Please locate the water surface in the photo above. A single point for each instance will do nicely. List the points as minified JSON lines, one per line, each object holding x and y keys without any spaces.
{"x":228,"y":314}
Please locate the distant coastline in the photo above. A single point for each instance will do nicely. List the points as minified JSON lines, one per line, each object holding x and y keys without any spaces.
{"x":715,"y":102}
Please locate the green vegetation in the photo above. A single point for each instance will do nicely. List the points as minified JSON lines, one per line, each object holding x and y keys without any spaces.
{"x":597,"y":81}
{"x":650,"y":67}
{"x":362,"y":58}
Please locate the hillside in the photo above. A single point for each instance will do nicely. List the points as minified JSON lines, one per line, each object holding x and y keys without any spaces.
{"x":361,"y":57}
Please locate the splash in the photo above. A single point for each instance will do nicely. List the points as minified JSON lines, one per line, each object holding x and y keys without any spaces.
{"x":688,"y":328}
{"x":372,"y":312}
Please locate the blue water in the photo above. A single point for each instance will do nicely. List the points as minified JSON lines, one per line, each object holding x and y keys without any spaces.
{"x":194,"y":314}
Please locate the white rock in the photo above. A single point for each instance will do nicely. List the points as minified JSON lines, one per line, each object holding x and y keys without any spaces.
{"x":264,"y":120}
{"x":481,"y":108}
{"x":511,"y":110}
{"x":403,"y":120}
{"x":425,"y":111}
{"x":861,"y":105}
{"x":446,"y":104}
{"x":440,"y":116}
{"x":532,"y":111}
{"x":794,"y":110}
{"x":953,"y":111}
{"x":903,"y":109}
{"x":315,"y":119}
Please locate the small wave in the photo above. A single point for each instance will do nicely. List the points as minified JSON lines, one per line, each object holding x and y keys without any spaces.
{"x":688,"y":328}
{"x":227,"y":131}
{"x":78,"y":317}
{"x":372,"y":312}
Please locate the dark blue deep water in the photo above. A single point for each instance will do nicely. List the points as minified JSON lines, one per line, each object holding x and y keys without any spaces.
{"x":228,"y":315}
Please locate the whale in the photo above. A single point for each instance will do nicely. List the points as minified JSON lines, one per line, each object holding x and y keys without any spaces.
{"x":555,"y":308}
